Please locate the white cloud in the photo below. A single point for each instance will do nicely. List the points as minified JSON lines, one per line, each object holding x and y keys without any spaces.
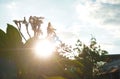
{"x":104,"y":16}
{"x":101,"y":14}
{"x":109,"y":1}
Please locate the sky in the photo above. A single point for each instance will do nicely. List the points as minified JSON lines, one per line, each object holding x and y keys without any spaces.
{"x":73,"y":19}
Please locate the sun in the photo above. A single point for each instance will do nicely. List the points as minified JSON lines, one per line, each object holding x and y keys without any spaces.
{"x":44,"y":48}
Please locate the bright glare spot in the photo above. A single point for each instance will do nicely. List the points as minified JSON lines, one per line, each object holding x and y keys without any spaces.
{"x":44,"y":48}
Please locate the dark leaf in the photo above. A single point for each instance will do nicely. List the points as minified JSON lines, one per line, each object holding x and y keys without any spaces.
{"x":2,"y":39}
{"x":13,"y":36}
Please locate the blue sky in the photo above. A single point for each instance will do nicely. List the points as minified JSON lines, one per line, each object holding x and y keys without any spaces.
{"x":73,"y":19}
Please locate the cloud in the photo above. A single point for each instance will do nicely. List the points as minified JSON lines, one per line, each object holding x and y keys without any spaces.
{"x":108,"y":14}
{"x":99,"y":11}
{"x":100,"y":17}
{"x":109,"y":1}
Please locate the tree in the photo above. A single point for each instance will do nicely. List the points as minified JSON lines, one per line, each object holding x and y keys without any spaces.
{"x":89,"y":56}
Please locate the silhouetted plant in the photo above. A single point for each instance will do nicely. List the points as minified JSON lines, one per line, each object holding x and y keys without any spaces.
{"x":50,"y":30}
{"x":26,"y":24}
{"x":18,"y":23}
{"x":89,"y":56}
{"x":11,"y":46}
{"x":36,"y":24}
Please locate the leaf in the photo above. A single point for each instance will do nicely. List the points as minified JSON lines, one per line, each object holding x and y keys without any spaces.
{"x":2,"y":33}
{"x":30,"y":42}
{"x":2,"y":38}
{"x":13,"y":36}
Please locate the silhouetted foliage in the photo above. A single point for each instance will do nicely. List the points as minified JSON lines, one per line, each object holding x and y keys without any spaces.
{"x":90,"y":56}
{"x":11,"y":41}
{"x":50,"y":30}
{"x":28,"y":67}
{"x":36,"y":24}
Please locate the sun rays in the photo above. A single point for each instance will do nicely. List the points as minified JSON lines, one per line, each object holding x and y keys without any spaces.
{"x":44,"y":48}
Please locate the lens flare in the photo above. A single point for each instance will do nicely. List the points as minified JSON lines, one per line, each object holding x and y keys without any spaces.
{"x":44,"y":48}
